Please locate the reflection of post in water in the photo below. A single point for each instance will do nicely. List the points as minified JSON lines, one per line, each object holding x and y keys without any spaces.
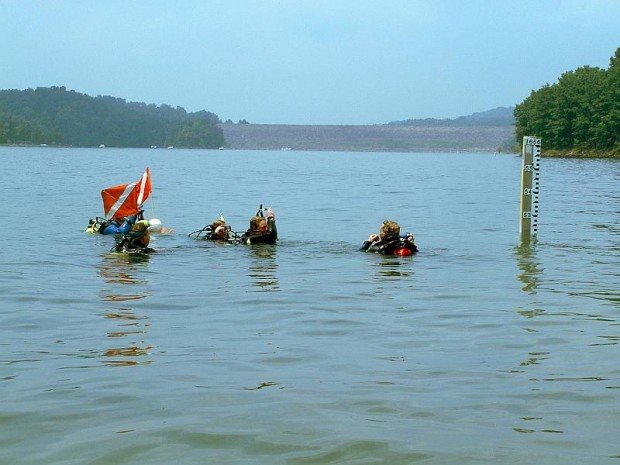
{"x":529,"y":275}
{"x":263,"y":267}
{"x":120,"y":271}
{"x":529,"y":265}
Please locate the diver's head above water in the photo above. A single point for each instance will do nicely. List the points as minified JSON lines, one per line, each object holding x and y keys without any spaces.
{"x":388,"y":229}
{"x":258,"y":224}
{"x":219,"y":230}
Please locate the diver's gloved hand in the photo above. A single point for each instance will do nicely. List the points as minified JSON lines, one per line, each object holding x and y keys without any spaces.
{"x":373,"y":238}
{"x":270,"y":213}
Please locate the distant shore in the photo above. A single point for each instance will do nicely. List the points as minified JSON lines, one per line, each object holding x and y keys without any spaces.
{"x":374,"y":138}
{"x":576,"y":153}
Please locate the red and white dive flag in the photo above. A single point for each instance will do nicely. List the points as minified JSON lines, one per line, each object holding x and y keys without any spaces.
{"x":126,"y":199}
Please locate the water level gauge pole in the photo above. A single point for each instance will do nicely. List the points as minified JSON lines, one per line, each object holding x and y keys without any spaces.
{"x":530,"y":188}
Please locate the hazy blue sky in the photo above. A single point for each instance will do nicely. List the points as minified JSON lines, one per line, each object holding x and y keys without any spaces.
{"x":306,"y":61}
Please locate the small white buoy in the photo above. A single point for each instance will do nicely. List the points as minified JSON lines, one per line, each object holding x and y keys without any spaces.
{"x":155,"y":225}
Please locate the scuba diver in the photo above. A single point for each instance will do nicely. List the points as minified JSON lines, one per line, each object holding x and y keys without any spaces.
{"x":135,"y":240}
{"x":389,"y":241}
{"x":116,"y":226}
{"x":120,"y":225}
{"x":216,"y":231}
{"x":262,"y":228}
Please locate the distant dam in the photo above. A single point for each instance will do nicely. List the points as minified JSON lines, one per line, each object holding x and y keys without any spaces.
{"x":374,"y":138}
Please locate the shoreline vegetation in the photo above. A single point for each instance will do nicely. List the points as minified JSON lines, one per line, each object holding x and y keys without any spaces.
{"x":578,"y":116}
{"x":552,"y":153}
{"x":61,"y":117}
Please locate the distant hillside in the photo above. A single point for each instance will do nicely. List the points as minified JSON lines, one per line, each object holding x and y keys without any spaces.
{"x":500,"y":116}
{"x":56,"y":116}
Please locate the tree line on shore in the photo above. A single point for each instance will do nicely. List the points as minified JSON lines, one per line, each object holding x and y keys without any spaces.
{"x":57,"y":116}
{"x":580,"y":113}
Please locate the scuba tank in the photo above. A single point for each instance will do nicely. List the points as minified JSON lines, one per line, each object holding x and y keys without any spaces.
{"x":403,"y":250}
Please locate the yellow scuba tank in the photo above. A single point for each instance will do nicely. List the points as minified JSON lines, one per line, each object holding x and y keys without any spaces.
{"x":93,"y":227}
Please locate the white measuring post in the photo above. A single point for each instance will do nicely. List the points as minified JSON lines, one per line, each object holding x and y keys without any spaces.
{"x":530,"y":187}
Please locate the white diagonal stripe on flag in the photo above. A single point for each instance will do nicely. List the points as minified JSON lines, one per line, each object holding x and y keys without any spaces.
{"x":120,"y":200}
{"x":142,"y":185}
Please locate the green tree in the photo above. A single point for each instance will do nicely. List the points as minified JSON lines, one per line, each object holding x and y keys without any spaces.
{"x":55,"y":115}
{"x":581,"y":110}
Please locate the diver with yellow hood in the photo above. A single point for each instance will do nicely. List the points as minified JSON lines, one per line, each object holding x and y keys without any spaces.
{"x":136,"y":240}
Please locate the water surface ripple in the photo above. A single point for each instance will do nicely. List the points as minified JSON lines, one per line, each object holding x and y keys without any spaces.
{"x":477,"y":350}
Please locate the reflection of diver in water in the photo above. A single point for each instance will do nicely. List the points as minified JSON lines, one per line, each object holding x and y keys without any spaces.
{"x":121,"y":269}
{"x":529,"y":266}
{"x":392,"y":267}
{"x":263,"y":267}
{"x":123,"y":285}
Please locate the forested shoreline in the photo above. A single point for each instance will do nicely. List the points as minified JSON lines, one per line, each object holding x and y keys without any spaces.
{"x":579,"y":115}
{"x":57,"y":116}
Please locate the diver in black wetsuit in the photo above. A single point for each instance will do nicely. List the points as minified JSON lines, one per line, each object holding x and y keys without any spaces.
{"x":216,"y":231}
{"x":389,"y":241}
{"x":136,"y":240}
{"x":262,"y":229}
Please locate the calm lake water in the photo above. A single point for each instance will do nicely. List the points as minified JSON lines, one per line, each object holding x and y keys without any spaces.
{"x":477,"y":350}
